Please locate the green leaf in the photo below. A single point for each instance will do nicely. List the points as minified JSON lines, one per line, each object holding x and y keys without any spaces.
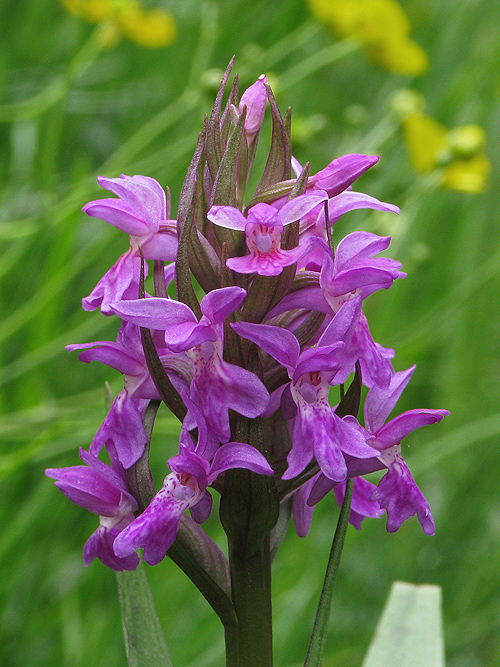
{"x":409,"y":633}
{"x":144,"y":640}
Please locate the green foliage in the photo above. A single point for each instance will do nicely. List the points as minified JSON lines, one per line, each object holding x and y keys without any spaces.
{"x":410,"y":632}
{"x":75,"y":110}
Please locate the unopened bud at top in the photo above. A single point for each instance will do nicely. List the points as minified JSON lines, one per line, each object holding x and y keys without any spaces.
{"x":254,"y":98}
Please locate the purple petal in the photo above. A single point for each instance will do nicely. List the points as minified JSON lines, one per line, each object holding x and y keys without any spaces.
{"x":351,"y":439}
{"x":328,"y":453}
{"x":243,"y":391}
{"x":298,"y":207}
{"x":182,"y":337}
{"x":114,"y":475}
{"x":120,"y":282}
{"x":118,"y":214}
{"x":123,"y":426}
{"x":280,"y":343}
{"x":254,"y":99}
{"x":86,"y":488}
{"x":111,"y":354}
{"x":228,"y":217}
{"x":299,"y":456}
{"x":341,"y":173}
{"x":323,"y":358}
{"x":162,"y":246}
{"x":201,"y":511}
{"x":399,"y":427}
{"x":154,"y":313}
{"x":219,"y":303}
{"x":375,"y":359}
{"x":302,"y":511}
{"x":398,"y":494}
{"x":380,"y":401}
{"x":189,"y":462}
{"x":238,"y":455}
{"x":139,"y":196}
{"x":321,"y":487}
{"x":266,"y":264}
{"x":349,"y":201}
{"x":361,"y":505}
{"x":311,"y":298}
{"x":343,"y":324}
{"x":100,"y":545}
{"x":360,"y":276}
{"x":359,"y":247}
{"x":155,"y":529}
{"x":264,"y":214}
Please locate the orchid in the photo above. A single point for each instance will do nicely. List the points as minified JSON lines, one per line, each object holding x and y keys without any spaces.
{"x":217,"y":385}
{"x":141,"y":211}
{"x":101,"y":489}
{"x":317,"y":430}
{"x":262,"y":357}
{"x":186,"y":487}
{"x":263,"y":229}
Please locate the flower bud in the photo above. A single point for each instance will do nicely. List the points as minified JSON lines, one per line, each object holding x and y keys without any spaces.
{"x":254,"y":98}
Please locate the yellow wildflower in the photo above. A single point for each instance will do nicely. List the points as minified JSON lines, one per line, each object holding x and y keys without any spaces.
{"x":381,"y":26}
{"x":458,"y":153}
{"x":153,"y":28}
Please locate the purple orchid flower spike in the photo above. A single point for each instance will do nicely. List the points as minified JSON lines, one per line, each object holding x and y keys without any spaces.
{"x":397,"y":492}
{"x":217,"y":386}
{"x":186,"y":487}
{"x":101,"y":489}
{"x":316,"y":430}
{"x":141,"y":212}
{"x":263,"y":229}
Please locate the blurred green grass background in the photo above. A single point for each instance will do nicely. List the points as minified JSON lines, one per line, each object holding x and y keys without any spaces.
{"x":132,"y":110}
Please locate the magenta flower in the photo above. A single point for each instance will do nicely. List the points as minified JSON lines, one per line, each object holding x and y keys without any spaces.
{"x":101,"y":489}
{"x":123,"y":425}
{"x":141,"y":212}
{"x":317,"y":431}
{"x":397,"y":492}
{"x":217,"y":386}
{"x":186,"y":487}
{"x":263,"y":229}
{"x":352,"y":272}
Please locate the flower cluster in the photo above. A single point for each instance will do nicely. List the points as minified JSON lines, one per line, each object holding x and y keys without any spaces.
{"x":252,"y":367}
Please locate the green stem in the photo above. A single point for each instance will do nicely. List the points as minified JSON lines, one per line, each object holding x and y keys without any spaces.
{"x":251,"y":592}
{"x":318,"y":637}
